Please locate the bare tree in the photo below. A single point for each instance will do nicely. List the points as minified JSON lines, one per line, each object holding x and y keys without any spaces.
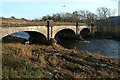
{"x":103,"y":15}
{"x":86,"y":16}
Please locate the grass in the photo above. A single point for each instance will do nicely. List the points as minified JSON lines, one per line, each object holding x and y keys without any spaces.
{"x":13,"y":39}
{"x":108,"y":32}
{"x":54,"y":62}
{"x":8,"y":22}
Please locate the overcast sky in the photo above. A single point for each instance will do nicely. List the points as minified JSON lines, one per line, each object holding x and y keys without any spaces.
{"x":31,"y":9}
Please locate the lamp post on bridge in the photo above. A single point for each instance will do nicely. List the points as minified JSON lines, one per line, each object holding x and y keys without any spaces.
{"x":48,"y":25}
{"x":76,"y":28}
{"x":48,"y":29}
{"x":51,"y":40}
{"x":78,"y":36}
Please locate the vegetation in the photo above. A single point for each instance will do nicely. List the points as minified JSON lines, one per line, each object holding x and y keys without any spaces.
{"x":82,"y":16}
{"x":54,"y":62}
{"x":8,"y":22}
{"x":40,"y":61}
{"x":103,"y":15}
{"x":107,"y":32}
{"x":13,"y":39}
{"x":101,"y":18}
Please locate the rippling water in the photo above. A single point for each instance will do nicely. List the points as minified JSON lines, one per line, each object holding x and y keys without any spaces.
{"x":105,"y":47}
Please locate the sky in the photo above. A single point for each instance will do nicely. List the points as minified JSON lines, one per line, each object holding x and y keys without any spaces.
{"x":31,"y":9}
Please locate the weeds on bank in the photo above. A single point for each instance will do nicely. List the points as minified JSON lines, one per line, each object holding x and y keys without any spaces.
{"x":40,"y":61}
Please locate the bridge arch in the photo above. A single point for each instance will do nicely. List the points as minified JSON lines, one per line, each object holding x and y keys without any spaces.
{"x":10,"y":30}
{"x":37,"y":37}
{"x":65,"y":33}
{"x":85,"y":32}
{"x":56,"y":29}
{"x":34,"y":38}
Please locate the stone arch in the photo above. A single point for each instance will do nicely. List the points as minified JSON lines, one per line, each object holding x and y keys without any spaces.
{"x":85,"y":32}
{"x":57,"y":29}
{"x":37,"y":37}
{"x":10,"y":30}
{"x":65,"y":33}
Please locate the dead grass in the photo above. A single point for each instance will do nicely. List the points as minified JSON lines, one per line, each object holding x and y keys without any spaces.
{"x":7,"y":22}
{"x":54,"y":62}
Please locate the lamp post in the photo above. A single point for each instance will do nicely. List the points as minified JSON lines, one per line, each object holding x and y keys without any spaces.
{"x":76,"y":28}
{"x":51,"y":40}
{"x":48,"y":29}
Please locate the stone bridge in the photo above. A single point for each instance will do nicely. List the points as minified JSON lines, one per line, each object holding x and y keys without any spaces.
{"x":46,"y":32}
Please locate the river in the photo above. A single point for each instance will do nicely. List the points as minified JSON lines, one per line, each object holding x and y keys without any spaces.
{"x":106,"y":47}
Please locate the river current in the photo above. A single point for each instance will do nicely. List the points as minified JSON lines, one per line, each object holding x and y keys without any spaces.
{"x":106,"y":47}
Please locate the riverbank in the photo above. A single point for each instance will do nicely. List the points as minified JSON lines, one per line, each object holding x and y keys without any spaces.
{"x":41,"y":61}
{"x":13,"y":39}
{"x":108,"y":33}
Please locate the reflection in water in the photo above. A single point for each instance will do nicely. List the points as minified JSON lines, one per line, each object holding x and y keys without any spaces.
{"x":105,"y":47}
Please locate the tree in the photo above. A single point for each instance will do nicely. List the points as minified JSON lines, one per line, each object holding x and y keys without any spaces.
{"x":86,"y":16}
{"x":12,"y":17}
{"x":103,"y":15}
{"x":74,"y":18}
{"x":24,"y":19}
{"x":90,"y":17}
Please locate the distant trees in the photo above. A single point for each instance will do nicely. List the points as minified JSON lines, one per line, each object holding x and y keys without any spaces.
{"x":84,"y":16}
{"x":104,"y":13}
{"x":24,"y":19}
{"x":103,"y":16}
{"x":100,"y":18}
{"x":61,"y":17}
{"x":12,"y":17}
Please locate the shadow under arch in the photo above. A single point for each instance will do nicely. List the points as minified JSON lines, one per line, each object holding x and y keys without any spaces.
{"x":85,"y":32}
{"x":65,"y":34}
{"x":37,"y":37}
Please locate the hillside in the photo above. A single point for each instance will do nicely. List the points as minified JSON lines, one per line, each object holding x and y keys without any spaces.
{"x":55,"y":62}
{"x":9,"y":22}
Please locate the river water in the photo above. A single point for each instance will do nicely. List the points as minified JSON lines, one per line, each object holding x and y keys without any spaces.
{"x":105,"y":47}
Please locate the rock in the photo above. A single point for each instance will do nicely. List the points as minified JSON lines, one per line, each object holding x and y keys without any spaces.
{"x":109,"y":37}
{"x":79,"y":37}
{"x":52,"y":41}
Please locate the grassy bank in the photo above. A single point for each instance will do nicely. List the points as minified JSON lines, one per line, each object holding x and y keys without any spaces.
{"x":13,"y":39}
{"x":108,"y":32}
{"x":40,"y":61}
{"x":8,"y":22}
